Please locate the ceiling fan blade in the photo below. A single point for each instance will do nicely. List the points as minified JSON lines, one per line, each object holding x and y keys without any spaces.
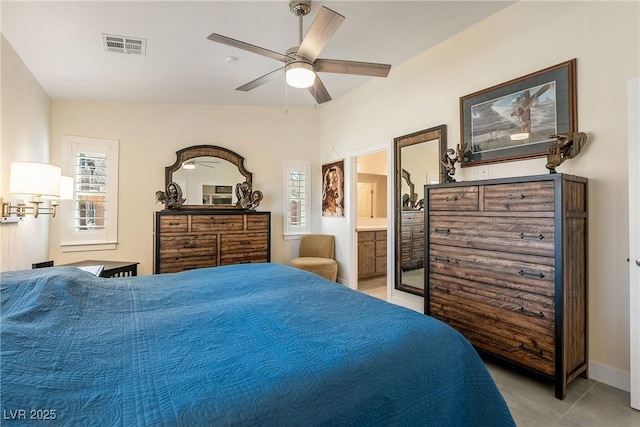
{"x":248,"y":47}
{"x":323,"y":27}
{"x":261,"y":80}
{"x":319,"y":92}
{"x":352,"y":67}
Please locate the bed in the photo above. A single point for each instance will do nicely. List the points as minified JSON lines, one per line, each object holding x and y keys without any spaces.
{"x":242,"y":345}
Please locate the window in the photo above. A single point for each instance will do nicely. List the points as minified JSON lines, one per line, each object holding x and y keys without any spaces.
{"x":297,"y":200}
{"x":93,"y":215}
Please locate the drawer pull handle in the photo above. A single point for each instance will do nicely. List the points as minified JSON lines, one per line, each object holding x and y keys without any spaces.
{"x":452,"y":199}
{"x":189,"y":246}
{"x":438,"y":288}
{"x":437,"y":258}
{"x":530,"y":313}
{"x":174,"y":223}
{"x":517,"y":196}
{"x":441,"y":230}
{"x":537,"y":275}
{"x":531,"y":236}
{"x":531,"y":350}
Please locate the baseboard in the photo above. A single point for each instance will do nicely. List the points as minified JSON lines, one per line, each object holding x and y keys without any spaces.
{"x":610,"y":376}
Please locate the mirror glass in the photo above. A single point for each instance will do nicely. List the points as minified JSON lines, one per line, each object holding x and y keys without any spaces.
{"x":372,"y":188}
{"x":417,"y":163}
{"x":207,"y":176}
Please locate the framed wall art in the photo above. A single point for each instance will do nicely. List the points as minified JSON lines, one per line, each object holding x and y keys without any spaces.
{"x":513,"y":120}
{"x":333,"y":189}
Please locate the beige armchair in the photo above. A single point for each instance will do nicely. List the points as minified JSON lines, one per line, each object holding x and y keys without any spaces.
{"x":316,"y":254}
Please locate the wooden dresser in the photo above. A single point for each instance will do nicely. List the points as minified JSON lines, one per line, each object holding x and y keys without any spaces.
{"x":372,"y":253}
{"x":412,"y":239}
{"x":507,"y":267}
{"x":184,"y":240}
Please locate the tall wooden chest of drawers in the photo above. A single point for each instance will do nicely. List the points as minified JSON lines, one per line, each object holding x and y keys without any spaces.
{"x":185,"y":240}
{"x":507,"y":267}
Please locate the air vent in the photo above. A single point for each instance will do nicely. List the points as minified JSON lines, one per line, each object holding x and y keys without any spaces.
{"x":123,"y":44}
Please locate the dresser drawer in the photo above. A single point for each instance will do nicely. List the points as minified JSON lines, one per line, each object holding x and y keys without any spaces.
{"x":456,"y":198}
{"x":237,"y":248}
{"x":527,"y":196}
{"x":174,"y":223}
{"x":526,"y":310}
{"x":188,"y":245}
{"x":523,"y":349}
{"x":506,"y":331}
{"x":523,"y":235}
{"x":217,"y":223}
{"x":411,"y":218}
{"x":174,"y":264}
{"x":509,"y":272}
{"x":257,"y":222}
{"x":187,"y":252}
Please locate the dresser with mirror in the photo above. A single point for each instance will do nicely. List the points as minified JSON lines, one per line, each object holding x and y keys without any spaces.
{"x":210,"y":228}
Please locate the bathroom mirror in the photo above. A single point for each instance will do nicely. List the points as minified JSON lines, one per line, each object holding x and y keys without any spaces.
{"x":208,"y":175}
{"x":417,"y":163}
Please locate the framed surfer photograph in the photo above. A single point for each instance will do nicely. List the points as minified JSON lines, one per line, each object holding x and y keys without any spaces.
{"x":517,"y":119}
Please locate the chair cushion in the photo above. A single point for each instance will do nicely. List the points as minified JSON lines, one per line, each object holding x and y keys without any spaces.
{"x":325,"y":267}
{"x":316,"y":245}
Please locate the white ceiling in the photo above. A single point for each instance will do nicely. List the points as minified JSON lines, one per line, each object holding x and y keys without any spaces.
{"x":60,"y":42}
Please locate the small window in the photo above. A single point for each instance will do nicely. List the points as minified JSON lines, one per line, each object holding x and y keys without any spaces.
{"x":297,"y":208}
{"x":94,"y":210}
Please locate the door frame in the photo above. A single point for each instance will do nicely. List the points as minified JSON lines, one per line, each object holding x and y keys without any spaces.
{"x":633,"y":108}
{"x":353,"y":211}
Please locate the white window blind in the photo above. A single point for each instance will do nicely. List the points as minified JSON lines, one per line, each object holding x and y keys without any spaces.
{"x":91,"y":191}
{"x":297,"y":207}
{"x":93,"y":216}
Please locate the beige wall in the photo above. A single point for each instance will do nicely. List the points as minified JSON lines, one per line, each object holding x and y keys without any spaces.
{"x":150,"y":135}
{"x":526,"y":37}
{"x":25,"y":119}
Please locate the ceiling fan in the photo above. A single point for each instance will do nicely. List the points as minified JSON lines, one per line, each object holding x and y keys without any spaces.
{"x":302,"y":62}
{"x":191,"y":164}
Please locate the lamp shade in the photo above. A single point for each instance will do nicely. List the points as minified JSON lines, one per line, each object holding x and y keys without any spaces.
{"x":300,"y":74}
{"x":34,"y":179}
{"x":66,"y":188}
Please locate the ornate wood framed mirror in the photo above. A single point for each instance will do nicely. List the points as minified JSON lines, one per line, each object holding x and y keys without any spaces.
{"x":208,"y":175}
{"x":417,"y":159}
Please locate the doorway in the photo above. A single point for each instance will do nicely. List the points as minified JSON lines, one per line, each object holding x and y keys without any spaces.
{"x":371,"y":227}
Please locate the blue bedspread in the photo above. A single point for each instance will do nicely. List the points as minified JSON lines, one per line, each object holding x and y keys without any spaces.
{"x":243,"y":345}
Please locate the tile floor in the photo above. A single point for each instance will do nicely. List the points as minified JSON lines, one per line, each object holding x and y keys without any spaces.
{"x":533,"y":403}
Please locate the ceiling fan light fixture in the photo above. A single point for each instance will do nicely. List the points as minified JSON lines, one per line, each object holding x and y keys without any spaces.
{"x":300,"y":74}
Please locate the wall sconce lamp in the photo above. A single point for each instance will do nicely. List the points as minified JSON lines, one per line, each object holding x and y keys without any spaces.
{"x":38,"y":181}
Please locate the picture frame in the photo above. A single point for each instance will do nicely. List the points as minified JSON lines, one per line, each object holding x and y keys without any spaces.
{"x":514,"y":120}
{"x":333,"y":189}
